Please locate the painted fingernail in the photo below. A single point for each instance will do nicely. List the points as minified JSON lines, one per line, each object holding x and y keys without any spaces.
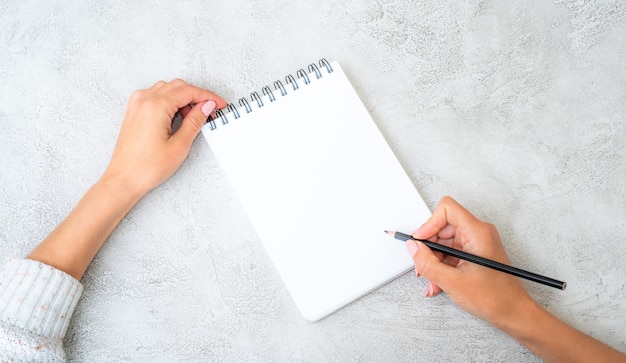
{"x":208,"y":107}
{"x":411,"y":247}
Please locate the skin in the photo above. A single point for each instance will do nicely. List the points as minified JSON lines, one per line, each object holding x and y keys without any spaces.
{"x":147,"y":153}
{"x":495,"y":297}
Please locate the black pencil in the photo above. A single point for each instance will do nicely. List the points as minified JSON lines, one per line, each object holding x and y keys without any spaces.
{"x":483,"y":261}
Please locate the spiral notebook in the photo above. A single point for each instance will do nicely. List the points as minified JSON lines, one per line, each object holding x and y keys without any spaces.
{"x":320,"y":185}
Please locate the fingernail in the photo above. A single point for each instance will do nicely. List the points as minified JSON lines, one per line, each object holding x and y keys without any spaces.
{"x":208,"y":107}
{"x":429,"y":291}
{"x":411,"y":247}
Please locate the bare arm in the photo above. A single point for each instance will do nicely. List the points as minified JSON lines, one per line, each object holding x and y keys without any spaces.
{"x":146,"y":154}
{"x":555,"y":341}
{"x":498,"y":298}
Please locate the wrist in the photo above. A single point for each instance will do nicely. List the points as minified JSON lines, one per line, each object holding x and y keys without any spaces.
{"x":123,"y":188}
{"x":533,"y":326}
{"x":521,"y":323}
{"x":75,"y":242}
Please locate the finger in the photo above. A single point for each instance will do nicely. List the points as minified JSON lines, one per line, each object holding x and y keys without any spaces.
{"x":439,"y":255}
{"x":451,"y":261}
{"x":432,"y":289}
{"x":447,"y":232}
{"x":429,"y":265}
{"x":157,"y":85}
{"x":181,"y":94}
{"x":193,"y":122}
{"x":448,"y":211}
{"x":185,"y":110}
{"x":448,"y":260}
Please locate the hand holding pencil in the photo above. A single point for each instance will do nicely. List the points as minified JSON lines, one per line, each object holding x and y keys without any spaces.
{"x":488,"y":294}
{"x":496,"y":297}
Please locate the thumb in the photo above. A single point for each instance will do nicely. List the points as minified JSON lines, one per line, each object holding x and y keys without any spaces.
{"x":427,"y":264}
{"x":193,"y":122}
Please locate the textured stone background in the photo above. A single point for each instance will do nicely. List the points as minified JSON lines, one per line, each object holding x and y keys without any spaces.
{"x":515,"y":108}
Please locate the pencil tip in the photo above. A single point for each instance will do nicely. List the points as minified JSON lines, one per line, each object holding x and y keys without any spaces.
{"x":386,"y":232}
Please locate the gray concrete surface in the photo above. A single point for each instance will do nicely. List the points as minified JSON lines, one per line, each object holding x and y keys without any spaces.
{"x":515,"y":108}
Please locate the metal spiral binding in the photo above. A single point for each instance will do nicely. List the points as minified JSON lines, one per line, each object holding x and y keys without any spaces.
{"x":244,"y":103}
{"x":324,"y":63}
{"x":279,"y":86}
{"x":290,"y":79}
{"x":268,"y":92}
{"x":313,"y":69}
{"x":233,"y":109}
{"x":255,"y":97}
{"x":301,"y":74}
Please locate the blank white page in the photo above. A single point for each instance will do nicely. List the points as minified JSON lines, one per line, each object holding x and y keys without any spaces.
{"x":320,"y":185}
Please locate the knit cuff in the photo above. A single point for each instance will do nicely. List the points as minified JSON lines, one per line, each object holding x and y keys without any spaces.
{"x":37,"y":297}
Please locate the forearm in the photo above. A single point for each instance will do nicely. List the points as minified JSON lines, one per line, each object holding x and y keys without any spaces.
{"x":555,"y":341}
{"x":146,"y":154}
{"x":75,"y":242}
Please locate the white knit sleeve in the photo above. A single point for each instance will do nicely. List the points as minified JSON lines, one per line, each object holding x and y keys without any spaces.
{"x":36,"y":304}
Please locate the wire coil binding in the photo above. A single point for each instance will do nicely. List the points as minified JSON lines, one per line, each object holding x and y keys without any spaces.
{"x":301,"y":75}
